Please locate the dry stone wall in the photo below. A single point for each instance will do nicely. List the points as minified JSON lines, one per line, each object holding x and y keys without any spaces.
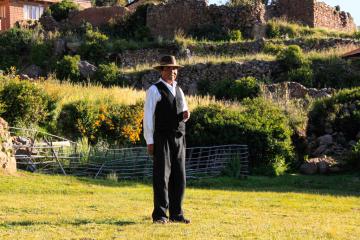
{"x":7,"y":161}
{"x":327,"y":16}
{"x":312,"y":13}
{"x":166,"y":19}
{"x":97,"y":16}
{"x":191,"y":75}
{"x":131,"y":58}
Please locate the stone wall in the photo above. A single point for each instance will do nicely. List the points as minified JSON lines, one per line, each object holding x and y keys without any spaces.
{"x":312,"y":13}
{"x":97,"y":16}
{"x":131,"y":58}
{"x":7,"y":161}
{"x":301,"y":11}
{"x":190,"y":75}
{"x":166,"y":19}
{"x":327,"y":16}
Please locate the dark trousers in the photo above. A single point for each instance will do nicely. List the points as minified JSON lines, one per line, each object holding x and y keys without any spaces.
{"x":169,"y":177}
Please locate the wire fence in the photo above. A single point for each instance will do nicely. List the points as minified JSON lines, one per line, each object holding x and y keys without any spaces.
{"x":46,"y":153}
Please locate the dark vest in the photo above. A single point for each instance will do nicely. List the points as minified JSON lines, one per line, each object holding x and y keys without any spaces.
{"x":167,"y":120}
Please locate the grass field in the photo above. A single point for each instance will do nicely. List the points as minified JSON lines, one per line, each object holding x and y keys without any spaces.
{"x":288,"y":207}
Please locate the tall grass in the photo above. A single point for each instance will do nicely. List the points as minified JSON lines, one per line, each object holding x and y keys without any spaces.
{"x":69,"y":92}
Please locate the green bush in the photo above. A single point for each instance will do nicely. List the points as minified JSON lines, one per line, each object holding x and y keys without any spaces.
{"x":108,"y":74}
{"x":15,"y":44}
{"x":291,"y":57}
{"x":235,"y":35}
{"x":68,"y":69}
{"x":61,"y":10}
{"x":133,"y":28}
{"x":341,"y":112}
{"x":41,"y":53}
{"x":303,"y":75}
{"x":271,"y":48}
{"x":116,"y":124}
{"x":353,"y":158}
{"x":94,"y":47}
{"x":357,"y":34}
{"x":262,"y":126}
{"x":336,"y":72}
{"x":246,"y":87}
{"x":276,"y":29}
{"x":25,"y":103}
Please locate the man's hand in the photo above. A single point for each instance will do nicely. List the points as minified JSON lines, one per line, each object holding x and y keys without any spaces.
{"x":150,"y":149}
{"x":186,"y":116}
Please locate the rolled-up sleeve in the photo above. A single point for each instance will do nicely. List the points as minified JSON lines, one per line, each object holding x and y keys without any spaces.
{"x":152,"y":97}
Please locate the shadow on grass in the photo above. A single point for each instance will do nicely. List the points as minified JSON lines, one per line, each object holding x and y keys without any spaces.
{"x":339,"y":185}
{"x":76,"y":222}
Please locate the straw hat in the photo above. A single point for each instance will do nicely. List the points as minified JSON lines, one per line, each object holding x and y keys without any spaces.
{"x":167,"y":61}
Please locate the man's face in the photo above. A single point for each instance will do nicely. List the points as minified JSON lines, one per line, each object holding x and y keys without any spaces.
{"x":169,"y":73}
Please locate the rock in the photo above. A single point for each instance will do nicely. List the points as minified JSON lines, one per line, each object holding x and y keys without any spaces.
{"x":59,"y":47}
{"x":49,"y":23}
{"x":32,"y":71}
{"x":87,"y":70}
{"x":358,"y":136}
{"x":334,"y":169}
{"x":308,"y":168}
{"x":320,"y":150}
{"x":7,"y":161}
{"x":24,"y":77}
{"x":73,"y":46}
{"x":325,"y":140}
{"x":352,"y":143}
{"x":323,"y":167}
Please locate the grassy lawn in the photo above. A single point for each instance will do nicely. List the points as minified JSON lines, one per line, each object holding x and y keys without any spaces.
{"x":288,"y":207}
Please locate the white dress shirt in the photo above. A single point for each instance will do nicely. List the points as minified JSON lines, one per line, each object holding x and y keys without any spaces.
{"x":153,"y":96}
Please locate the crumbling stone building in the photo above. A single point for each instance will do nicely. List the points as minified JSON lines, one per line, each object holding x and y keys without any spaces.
{"x":167,"y":18}
{"x":312,"y":13}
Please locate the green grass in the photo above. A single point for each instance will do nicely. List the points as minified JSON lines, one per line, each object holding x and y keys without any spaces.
{"x":288,"y":207}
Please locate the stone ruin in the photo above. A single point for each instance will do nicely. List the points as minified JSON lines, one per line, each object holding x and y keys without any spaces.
{"x":312,"y":13}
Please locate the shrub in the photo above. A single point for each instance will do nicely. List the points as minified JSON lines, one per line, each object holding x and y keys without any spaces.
{"x":40,"y":53}
{"x":117,"y":124}
{"x":261,"y":125}
{"x":341,"y":112}
{"x":353,"y":158}
{"x":61,"y":10}
{"x":279,"y":29}
{"x":335,"y":72}
{"x":133,"y":27}
{"x":94,"y":47}
{"x":303,"y":75}
{"x":68,"y":68}
{"x":15,"y":43}
{"x":25,"y":103}
{"x":235,"y":35}
{"x":246,"y":87}
{"x":357,"y":34}
{"x":291,"y":57}
{"x":108,"y":74}
{"x":271,"y":48}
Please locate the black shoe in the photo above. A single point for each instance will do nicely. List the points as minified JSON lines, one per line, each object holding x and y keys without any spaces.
{"x":161,"y":221}
{"x":180,"y":220}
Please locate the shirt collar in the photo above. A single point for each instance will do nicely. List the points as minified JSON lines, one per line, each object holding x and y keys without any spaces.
{"x":172,"y":86}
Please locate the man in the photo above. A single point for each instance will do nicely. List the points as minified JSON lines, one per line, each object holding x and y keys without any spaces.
{"x":166,"y":112}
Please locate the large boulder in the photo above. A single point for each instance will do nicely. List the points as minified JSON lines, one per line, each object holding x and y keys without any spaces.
{"x":87,"y":70}
{"x":7,"y":161}
{"x":322,"y":165}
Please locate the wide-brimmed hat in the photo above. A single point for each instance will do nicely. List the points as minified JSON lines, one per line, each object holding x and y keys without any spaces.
{"x":167,"y":61}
